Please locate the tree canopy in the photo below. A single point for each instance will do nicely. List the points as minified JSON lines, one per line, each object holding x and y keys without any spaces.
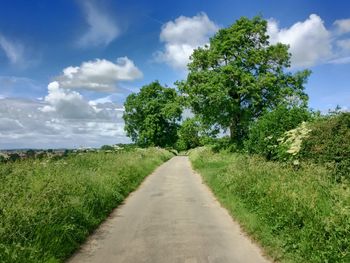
{"x":188,"y":134}
{"x":151,"y":116}
{"x":239,"y":75}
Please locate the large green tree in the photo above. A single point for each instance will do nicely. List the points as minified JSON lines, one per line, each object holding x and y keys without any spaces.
{"x":239,"y":75}
{"x":151,"y":116}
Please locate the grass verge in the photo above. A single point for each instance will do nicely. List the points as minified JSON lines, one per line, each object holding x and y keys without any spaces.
{"x":49,"y":207}
{"x":296,"y":215}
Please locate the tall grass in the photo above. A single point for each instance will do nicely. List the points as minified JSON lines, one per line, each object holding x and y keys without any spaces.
{"x":296,"y":215}
{"x":48,"y":207}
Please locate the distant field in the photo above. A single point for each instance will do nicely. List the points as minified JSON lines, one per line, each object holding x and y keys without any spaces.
{"x":48,"y":207}
{"x":296,"y":215}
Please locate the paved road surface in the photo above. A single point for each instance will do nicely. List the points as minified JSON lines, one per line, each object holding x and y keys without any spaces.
{"x":172,"y":217}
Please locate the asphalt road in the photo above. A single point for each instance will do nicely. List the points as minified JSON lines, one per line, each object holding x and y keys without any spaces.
{"x":172,"y":217}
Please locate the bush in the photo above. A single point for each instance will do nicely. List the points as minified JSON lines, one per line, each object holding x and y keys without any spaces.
{"x":107,"y":148}
{"x":14,"y":157}
{"x":264,"y":133}
{"x":30,"y":153}
{"x":329,"y":142}
{"x":290,"y":143}
{"x":223,"y":144}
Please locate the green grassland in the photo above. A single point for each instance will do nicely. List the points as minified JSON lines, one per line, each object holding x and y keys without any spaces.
{"x":297,"y":215}
{"x":48,"y":207}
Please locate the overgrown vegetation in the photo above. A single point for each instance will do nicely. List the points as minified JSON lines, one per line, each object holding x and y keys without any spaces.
{"x":48,"y":207}
{"x":329,"y":142}
{"x":297,"y":215}
{"x":265,"y":132}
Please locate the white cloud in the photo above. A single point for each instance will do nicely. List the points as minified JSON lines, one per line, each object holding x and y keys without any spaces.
{"x":7,"y":124}
{"x":99,"y":75}
{"x":342,"y":26}
{"x":182,"y":36}
{"x":67,"y":104}
{"x":344,"y":44}
{"x":64,"y":118}
{"x":102,"y":29}
{"x":100,"y":101}
{"x":14,"y":51}
{"x":341,"y":60}
{"x":310,"y":41}
{"x":23,"y":124}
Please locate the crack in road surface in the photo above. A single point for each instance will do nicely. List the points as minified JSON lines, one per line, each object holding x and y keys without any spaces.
{"x":172,"y":217}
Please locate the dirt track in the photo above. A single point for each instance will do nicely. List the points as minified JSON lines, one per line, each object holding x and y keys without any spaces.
{"x":172,"y":217}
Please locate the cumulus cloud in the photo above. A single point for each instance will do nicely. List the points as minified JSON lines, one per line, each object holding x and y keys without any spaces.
{"x":13,"y":50}
{"x":344,"y":44}
{"x":182,"y":36}
{"x":99,"y":75}
{"x":23,"y":124}
{"x":342,"y":26}
{"x":64,"y":118}
{"x":7,"y":124}
{"x":67,"y":104}
{"x":310,"y":41}
{"x":102,"y":28}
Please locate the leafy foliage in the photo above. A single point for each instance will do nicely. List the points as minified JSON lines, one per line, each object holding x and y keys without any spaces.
{"x":151,"y":116}
{"x":329,"y":142}
{"x":239,"y":76}
{"x":188,"y":134}
{"x":264,"y":132}
{"x":107,"y":147}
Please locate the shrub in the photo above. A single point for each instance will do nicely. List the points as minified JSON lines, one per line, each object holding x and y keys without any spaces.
{"x":290,"y":143}
{"x":264,"y":132}
{"x":223,"y":144}
{"x":14,"y":157}
{"x":329,"y":142}
{"x":30,"y":153}
{"x":107,"y":148}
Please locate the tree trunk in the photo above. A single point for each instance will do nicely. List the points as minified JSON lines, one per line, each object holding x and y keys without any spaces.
{"x":234,"y":129}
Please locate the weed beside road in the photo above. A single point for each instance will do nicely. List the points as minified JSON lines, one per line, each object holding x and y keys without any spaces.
{"x":296,"y":215}
{"x":48,"y":207}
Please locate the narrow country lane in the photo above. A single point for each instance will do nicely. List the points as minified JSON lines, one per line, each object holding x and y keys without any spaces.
{"x":172,"y":217}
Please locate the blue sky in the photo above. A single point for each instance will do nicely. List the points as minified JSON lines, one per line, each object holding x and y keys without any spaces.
{"x":67,"y":66}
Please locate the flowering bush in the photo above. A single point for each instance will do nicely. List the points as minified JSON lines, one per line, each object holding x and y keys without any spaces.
{"x":329,"y":143}
{"x":290,"y":143}
{"x":264,"y":133}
